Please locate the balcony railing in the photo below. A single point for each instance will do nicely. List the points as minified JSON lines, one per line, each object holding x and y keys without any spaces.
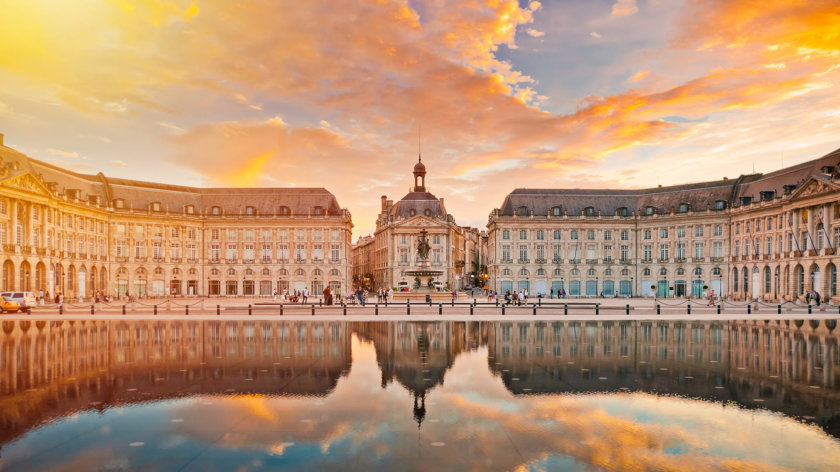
{"x":647,"y":261}
{"x":230,"y":261}
{"x":139,"y":259}
{"x":540,"y":261}
{"x":609,"y":261}
{"x":592,"y":261}
{"x":175,"y":260}
{"x":300,"y":261}
{"x":662,"y":260}
{"x":698,"y":259}
{"x":625,"y":261}
{"x":557,"y":260}
{"x":717,"y":259}
{"x":574,"y":261}
{"x":507,"y":261}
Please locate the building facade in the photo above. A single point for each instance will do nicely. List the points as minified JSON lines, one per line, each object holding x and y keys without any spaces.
{"x":80,"y":234}
{"x":758,"y":237}
{"x":393,"y":248}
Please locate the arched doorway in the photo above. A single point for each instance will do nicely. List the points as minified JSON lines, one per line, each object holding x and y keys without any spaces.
{"x":8,"y":275}
{"x":70,"y":281}
{"x":41,"y":277}
{"x":798,"y":280}
{"x":814,"y":277}
{"x":25,"y":277}
{"x":756,"y":283}
{"x":831,"y":280}
{"x":82,"y":287}
{"x":93,"y":287}
{"x":103,"y":279}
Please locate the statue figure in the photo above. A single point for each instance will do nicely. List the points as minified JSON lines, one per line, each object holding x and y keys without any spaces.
{"x":423,"y":245}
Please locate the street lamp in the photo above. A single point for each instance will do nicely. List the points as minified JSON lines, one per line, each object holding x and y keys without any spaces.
{"x":596,"y":285}
{"x":631,"y":286}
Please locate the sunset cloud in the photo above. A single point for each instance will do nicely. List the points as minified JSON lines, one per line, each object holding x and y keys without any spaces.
{"x":336,"y":100}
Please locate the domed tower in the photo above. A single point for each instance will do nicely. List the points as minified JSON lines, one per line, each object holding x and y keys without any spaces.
{"x":419,"y":175}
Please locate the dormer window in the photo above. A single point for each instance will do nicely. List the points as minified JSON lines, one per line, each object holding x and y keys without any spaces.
{"x":684,"y":208}
{"x":650,"y":211}
{"x":285,"y":211}
{"x":556,"y":211}
{"x":189,"y":209}
{"x":522,"y":211}
{"x":154,"y":206}
{"x":427,"y":212}
{"x":250,"y":211}
{"x":623,"y":211}
{"x":589,"y":211}
{"x":720,"y":205}
{"x":215,"y":211}
{"x":119,"y":203}
{"x":319,"y":211}
{"x":412,"y":212}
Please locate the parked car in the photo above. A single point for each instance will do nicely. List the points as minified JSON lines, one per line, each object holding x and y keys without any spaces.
{"x":24,"y":299}
{"x":8,"y":305}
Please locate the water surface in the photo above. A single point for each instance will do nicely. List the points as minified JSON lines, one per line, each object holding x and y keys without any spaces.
{"x":225,"y":395}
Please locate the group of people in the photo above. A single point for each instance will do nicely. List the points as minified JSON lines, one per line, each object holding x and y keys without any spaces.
{"x":296,"y":296}
{"x":517,"y":298}
{"x":361,"y":294}
{"x":812,"y":295}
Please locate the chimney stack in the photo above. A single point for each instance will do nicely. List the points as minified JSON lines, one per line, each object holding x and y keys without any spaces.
{"x":384,"y":202}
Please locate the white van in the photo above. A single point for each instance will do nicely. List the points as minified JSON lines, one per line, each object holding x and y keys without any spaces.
{"x":25,"y":299}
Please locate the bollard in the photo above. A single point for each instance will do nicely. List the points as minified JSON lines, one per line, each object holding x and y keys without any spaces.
{"x":91,"y":309}
{"x":155,"y":309}
{"x":407,"y":308}
{"x":688,"y":308}
{"x":627,"y":308}
{"x":779,"y":309}
{"x":453,"y":302}
{"x":123,"y":309}
{"x":749,"y":308}
{"x":281,"y":309}
{"x":440,"y":308}
{"x":344,"y":308}
{"x":718,"y":309}
{"x":597,"y":309}
{"x":497,"y":301}
{"x":809,"y":309}
{"x":218,"y":310}
{"x":658,"y":309}
{"x":320,"y":302}
{"x":313,"y":309}
{"x":539,"y":301}
{"x":249,"y":309}
{"x":471,"y":310}
{"x":376,"y":309}
{"x":503,"y":310}
{"x":186,"y":309}
{"x":535,"y":310}
{"x":61,"y":310}
{"x":565,"y":309}
{"x":29,"y":310}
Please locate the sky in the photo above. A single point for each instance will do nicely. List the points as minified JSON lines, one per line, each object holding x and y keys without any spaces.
{"x":502,"y":94}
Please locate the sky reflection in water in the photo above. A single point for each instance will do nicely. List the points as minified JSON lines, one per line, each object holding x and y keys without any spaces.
{"x":389,"y":396}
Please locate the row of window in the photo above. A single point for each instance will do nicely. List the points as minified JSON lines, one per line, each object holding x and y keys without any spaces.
{"x":622,"y":211}
{"x":698,"y":272}
{"x":219,"y":211}
{"x":805,"y":242}
{"x":624,"y":251}
{"x":624,"y":235}
{"x":232,"y":251}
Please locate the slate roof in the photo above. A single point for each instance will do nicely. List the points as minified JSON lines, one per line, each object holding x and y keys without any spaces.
{"x":700,"y":196}
{"x":419,"y":202}
{"x":139,"y":194}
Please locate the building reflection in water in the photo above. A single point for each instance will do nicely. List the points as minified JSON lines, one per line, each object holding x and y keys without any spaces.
{"x":53,"y":369}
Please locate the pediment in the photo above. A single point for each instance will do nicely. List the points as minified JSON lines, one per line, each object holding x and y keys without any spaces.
{"x":28,"y":183}
{"x":814,"y":187}
{"x":421,"y":221}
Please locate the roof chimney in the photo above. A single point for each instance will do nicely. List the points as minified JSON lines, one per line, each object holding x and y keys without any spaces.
{"x":384,"y":202}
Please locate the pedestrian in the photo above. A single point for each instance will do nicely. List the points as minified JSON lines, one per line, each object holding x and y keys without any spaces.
{"x":808,"y":297}
{"x":327,"y":296}
{"x":305,"y":294}
{"x":274,"y":294}
{"x":817,"y":297}
{"x":711,"y":298}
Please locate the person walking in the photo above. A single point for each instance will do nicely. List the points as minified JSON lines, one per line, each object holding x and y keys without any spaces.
{"x":274,"y":294}
{"x":305,"y":294}
{"x":817,"y":297}
{"x":711,"y":298}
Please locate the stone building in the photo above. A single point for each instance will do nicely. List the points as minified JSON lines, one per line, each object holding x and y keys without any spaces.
{"x":394,"y":245}
{"x":761,"y":236}
{"x":73,"y":233}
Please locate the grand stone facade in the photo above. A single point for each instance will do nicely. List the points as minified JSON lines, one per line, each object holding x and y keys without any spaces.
{"x":77,"y":234}
{"x":675,"y":241}
{"x":383,"y":259}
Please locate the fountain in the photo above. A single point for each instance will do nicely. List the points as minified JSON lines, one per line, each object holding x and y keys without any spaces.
{"x":424,"y":277}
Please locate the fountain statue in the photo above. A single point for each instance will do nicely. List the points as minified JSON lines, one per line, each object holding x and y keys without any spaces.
{"x":424,"y":277}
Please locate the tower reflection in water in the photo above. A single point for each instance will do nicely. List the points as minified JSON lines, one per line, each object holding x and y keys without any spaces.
{"x":53,"y":369}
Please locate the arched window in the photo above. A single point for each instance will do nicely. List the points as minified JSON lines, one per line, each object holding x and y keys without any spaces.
{"x":193,"y":272}
{"x":625,"y":272}
{"x":574,"y":272}
{"x":282,"y":272}
{"x":176,"y":271}
{"x":716,"y":271}
{"x":158,"y":271}
{"x":663,"y":271}
{"x":589,"y":211}
{"x":698,"y":271}
{"x":680,"y":271}
{"x":316,"y":272}
{"x":214,"y":272}
{"x":216,"y":211}
{"x":540,"y":272}
{"x":591,"y":272}
{"x":506,"y":272}
{"x":735,"y":279}
{"x":249,"y":272}
{"x":523,"y":272}
{"x":266,"y":272}
{"x":646,"y":272}
{"x":300,"y":273}
{"x":427,"y":212}
{"x":558,"y":272}
{"x":250,"y":211}
{"x":285,"y":211}
{"x":608,"y":272}
{"x":231,"y":271}
{"x":335,"y":273}
{"x":318,"y":211}
{"x":412,"y":212}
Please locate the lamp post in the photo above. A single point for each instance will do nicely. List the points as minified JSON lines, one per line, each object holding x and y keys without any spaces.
{"x":596,"y":285}
{"x":631,"y":286}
